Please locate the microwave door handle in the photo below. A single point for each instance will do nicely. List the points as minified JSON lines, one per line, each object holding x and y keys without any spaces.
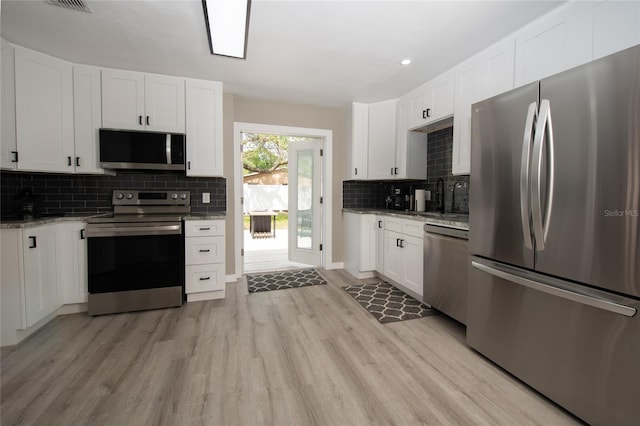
{"x":168,"y":148}
{"x":525,"y":175}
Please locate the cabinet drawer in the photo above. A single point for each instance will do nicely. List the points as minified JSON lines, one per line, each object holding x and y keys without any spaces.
{"x":200,"y":278}
{"x":199,"y":251}
{"x":392,"y":224}
{"x":414,"y":228}
{"x":203,"y":228}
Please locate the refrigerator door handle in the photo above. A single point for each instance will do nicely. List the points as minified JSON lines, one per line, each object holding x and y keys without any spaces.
{"x":525,"y":174}
{"x":532,"y":281}
{"x":544,"y":131}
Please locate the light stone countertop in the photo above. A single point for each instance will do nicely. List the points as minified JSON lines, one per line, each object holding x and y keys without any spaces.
{"x":30,"y":223}
{"x":453,"y":220}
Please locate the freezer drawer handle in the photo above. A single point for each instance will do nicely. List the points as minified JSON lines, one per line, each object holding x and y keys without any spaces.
{"x":584,"y":299}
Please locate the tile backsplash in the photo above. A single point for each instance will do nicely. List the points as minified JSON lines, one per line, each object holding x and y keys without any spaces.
{"x":372,"y":194}
{"x":56,"y":193}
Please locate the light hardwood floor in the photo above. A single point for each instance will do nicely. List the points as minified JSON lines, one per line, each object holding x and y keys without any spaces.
{"x":307,"y":356}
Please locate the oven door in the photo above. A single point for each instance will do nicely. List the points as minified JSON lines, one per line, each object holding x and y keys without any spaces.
{"x":135,"y":256}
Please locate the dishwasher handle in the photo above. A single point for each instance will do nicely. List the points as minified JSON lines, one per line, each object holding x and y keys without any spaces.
{"x":447,"y":231}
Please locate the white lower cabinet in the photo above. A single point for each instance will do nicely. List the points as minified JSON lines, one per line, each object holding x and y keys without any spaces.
{"x":204,"y":260}
{"x":360,"y":244}
{"x":388,"y":245}
{"x":71,"y":249}
{"x":43,"y":268}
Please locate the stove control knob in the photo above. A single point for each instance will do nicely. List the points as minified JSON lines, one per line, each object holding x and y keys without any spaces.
{"x":183,"y":196}
{"x":130,"y":196}
{"x":119,"y":195}
{"x":174,"y":196}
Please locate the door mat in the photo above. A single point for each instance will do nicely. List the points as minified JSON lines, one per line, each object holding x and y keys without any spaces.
{"x":388,"y":304}
{"x":283,"y":279}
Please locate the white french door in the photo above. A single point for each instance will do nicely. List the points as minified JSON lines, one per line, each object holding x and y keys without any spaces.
{"x":305,"y":192}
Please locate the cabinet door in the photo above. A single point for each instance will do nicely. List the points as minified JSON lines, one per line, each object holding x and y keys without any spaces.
{"x":359,"y":141}
{"x":616,"y":26}
{"x":71,"y":251}
{"x":412,"y":261}
{"x":40,"y":280}
{"x":204,"y":128}
{"x":8,"y":147}
{"x":164,"y":103}
{"x":123,"y":100}
{"x":382,"y":140}
{"x":556,"y":42}
{"x":440,"y":97}
{"x":200,"y":278}
{"x":392,"y":256}
{"x":44,"y":112}
{"x":416,"y":103}
{"x":379,"y":235}
{"x":87,"y":118}
{"x":467,"y":78}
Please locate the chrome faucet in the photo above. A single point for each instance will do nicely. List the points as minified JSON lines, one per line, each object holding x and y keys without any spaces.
{"x":440,"y":194}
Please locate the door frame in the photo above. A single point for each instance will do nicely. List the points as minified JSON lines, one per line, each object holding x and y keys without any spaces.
{"x":327,"y":180}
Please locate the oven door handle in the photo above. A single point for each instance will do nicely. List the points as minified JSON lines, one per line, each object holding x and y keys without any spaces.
{"x":134,"y":231}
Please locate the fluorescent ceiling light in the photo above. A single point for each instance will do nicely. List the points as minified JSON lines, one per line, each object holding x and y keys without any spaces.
{"x":227,"y":26}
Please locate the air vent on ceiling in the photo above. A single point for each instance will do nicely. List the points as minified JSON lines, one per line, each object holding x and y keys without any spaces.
{"x":79,"y":5}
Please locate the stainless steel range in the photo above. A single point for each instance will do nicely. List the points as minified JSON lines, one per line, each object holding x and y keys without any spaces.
{"x":136,"y":254}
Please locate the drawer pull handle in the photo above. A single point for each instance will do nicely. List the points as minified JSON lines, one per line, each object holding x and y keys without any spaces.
{"x":205,"y":278}
{"x":204,"y":229}
{"x":205,"y":251}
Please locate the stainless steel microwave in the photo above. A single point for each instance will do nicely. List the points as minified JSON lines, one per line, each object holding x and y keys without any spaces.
{"x":129,"y":149}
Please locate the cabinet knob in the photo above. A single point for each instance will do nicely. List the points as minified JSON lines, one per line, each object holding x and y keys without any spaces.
{"x":69,"y":163}
{"x":34,"y":242}
{"x":15,"y":156}
{"x":426,"y":113}
{"x":140,"y":120}
{"x":77,"y":161}
{"x":148,"y":120}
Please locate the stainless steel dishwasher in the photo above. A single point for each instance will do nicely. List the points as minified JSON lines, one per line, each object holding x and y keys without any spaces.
{"x":446,"y":265}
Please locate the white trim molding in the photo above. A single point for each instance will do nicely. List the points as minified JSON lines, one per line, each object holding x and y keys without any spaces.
{"x":327,"y":182}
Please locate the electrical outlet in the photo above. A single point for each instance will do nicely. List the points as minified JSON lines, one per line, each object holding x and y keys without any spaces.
{"x":206,"y":197}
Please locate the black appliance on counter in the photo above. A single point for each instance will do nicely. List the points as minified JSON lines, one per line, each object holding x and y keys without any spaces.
{"x":136,"y":255}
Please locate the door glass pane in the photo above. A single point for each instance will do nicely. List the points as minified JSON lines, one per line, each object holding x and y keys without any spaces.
{"x":305,"y":198}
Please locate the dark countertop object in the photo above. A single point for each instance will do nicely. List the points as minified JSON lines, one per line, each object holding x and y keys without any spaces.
{"x":452,"y":220}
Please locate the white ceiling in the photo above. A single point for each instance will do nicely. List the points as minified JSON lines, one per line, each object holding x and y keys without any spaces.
{"x":327,"y":53}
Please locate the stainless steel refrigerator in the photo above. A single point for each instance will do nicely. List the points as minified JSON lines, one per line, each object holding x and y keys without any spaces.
{"x":554,"y":288}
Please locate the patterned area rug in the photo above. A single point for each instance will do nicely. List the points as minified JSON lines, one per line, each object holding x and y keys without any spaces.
{"x":283,"y":279}
{"x":388,"y":304}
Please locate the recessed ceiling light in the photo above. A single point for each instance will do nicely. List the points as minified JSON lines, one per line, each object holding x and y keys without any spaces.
{"x":405,"y":61}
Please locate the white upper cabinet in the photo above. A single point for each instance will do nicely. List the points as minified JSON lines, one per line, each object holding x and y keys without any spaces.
{"x":381,"y":162}
{"x":204,"y":128}
{"x":164,"y":103}
{"x":137,"y":101}
{"x":431,"y":102}
{"x":8,"y":147}
{"x":87,"y":118}
{"x":359,"y":141}
{"x":44,"y":112}
{"x":486,"y":74}
{"x":616,"y":26}
{"x":556,"y":42}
